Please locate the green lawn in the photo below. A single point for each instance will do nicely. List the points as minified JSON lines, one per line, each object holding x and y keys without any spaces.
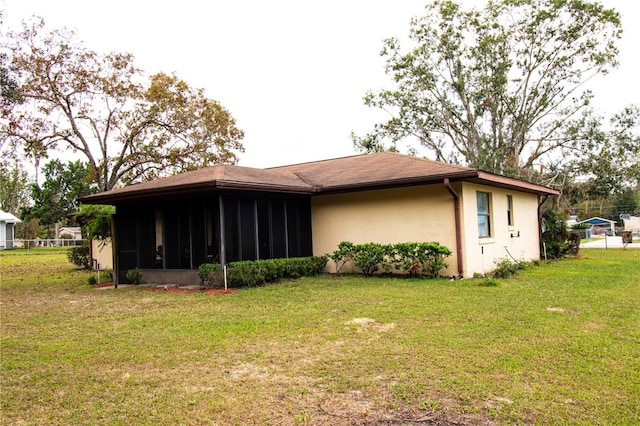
{"x":556,"y":344}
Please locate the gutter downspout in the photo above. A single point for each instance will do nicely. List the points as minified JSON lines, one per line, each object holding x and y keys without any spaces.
{"x":456,"y":206}
{"x":541,"y":202}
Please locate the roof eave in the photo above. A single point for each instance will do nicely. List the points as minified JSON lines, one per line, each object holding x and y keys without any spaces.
{"x":111,"y":198}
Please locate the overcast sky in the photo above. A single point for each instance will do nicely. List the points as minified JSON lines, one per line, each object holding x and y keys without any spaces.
{"x":292,"y":73}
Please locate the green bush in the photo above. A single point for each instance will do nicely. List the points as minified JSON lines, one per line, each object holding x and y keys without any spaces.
{"x":505,"y":268}
{"x":369,"y":257}
{"x":134,"y":276}
{"x":92,"y":280}
{"x":251,"y":273}
{"x":79,"y":256}
{"x":207,"y":272}
{"x":416,"y":259}
{"x":106,"y":275}
{"x":558,"y":242}
{"x":488,"y":282}
{"x":343,"y":255}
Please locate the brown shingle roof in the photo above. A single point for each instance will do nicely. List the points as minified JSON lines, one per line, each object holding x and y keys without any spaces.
{"x":373,"y":170}
{"x":366,"y":171}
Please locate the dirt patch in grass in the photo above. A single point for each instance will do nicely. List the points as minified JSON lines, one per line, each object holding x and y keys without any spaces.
{"x":562,"y":310}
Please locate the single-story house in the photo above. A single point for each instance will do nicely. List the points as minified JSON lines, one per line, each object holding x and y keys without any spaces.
{"x":75,"y":232}
{"x":224,"y":213}
{"x":7,"y":229}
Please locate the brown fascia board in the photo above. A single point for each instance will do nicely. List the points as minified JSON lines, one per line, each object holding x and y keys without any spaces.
{"x":492,"y":179}
{"x":471,"y":175}
{"x":395,"y":183}
{"x":190,"y":189}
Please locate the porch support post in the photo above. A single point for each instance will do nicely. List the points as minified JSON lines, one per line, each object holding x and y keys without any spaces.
{"x":456,"y":208}
{"x":223,"y":254}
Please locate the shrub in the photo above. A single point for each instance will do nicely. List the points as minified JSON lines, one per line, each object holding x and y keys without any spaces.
{"x":488,"y":282}
{"x":558,"y":242}
{"x":417,"y":259}
{"x":343,"y":255}
{"x":79,"y":256}
{"x":505,"y":268}
{"x":134,"y":276}
{"x":106,"y":275}
{"x":251,"y":273}
{"x":369,"y":257}
{"x":92,"y":280}
{"x":208,"y":272}
{"x":574,"y":238}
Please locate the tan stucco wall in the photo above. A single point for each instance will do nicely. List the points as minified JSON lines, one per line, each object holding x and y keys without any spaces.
{"x":481,"y":253}
{"x":103,"y":254}
{"x":412,"y":214}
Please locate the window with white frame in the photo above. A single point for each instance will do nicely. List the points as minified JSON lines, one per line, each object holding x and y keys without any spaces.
{"x":484,"y":214}
{"x":510,"y":210}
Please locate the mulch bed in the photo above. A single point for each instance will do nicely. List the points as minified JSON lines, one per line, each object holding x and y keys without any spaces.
{"x":178,"y":289}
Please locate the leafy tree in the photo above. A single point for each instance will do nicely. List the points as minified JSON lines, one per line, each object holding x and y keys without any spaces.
{"x":495,"y":87}
{"x":28,"y":230}
{"x":95,"y":220}
{"x":97,"y":106}
{"x":612,"y":160}
{"x":14,"y":188}
{"x":56,"y":200}
{"x":9,"y":93}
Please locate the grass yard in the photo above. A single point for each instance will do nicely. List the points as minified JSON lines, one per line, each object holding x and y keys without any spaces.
{"x":556,"y":344}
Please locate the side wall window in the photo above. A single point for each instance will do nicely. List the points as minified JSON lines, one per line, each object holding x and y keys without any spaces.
{"x":484,"y":214}
{"x":510,"y":210}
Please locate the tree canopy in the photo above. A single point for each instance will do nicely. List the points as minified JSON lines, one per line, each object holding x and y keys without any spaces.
{"x":499,"y":88}
{"x":100,"y":107}
{"x":55,"y":201}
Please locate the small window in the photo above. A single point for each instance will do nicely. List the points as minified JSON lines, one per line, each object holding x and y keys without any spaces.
{"x":484,"y":214}
{"x":510,"y":210}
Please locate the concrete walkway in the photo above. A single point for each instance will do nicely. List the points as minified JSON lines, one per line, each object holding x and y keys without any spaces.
{"x":610,"y":242}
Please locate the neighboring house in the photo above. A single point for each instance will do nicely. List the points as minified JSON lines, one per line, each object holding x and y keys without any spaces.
{"x":74,"y":231}
{"x":7,"y":229}
{"x":631,"y":223}
{"x":224,"y":213}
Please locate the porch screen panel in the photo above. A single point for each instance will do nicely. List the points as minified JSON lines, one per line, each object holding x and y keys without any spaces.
{"x":248,"y":229}
{"x":126,"y":250}
{"x":264,"y":229}
{"x":212,"y":238}
{"x":304,"y":227}
{"x":293,"y":228}
{"x":147,"y":242}
{"x":278,"y":229}
{"x":198,"y":234}
{"x":184,"y":229}
{"x":172,"y":238}
{"x":231,"y":233}
{"x":299,"y":228}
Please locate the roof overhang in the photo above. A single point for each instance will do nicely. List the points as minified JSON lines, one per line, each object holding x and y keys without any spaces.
{"x":348,"y":174}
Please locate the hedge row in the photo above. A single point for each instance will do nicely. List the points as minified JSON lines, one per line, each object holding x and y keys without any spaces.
{"x":251,"y":273}
{"x":417,"y":259}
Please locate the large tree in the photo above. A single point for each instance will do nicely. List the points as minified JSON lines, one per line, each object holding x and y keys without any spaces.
{"x":101,"y":107}
{"x":494,"y":88}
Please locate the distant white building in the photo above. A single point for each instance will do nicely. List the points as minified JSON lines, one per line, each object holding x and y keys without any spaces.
{"x":631,"y":223}
{"x":573,"y":219}
{"x":74,"y":231}
{"x":7,"y":229}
